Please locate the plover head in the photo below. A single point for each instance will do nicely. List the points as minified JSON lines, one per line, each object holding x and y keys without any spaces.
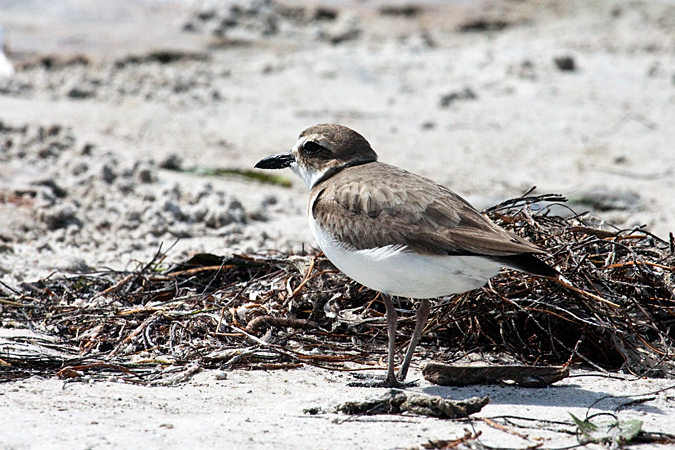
{"x":320,"y":150}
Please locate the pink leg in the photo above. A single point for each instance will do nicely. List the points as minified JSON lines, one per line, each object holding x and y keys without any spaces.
{"x":392,"y":318}
{"x":422,"y":315}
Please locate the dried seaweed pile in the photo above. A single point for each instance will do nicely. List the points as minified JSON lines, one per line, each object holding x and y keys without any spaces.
{"x":615,"y":309}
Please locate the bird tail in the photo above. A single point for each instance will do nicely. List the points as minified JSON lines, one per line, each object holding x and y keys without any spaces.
{"x":527,"y":262}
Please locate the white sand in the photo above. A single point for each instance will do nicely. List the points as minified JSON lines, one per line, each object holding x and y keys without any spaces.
{"x":607,"y":127}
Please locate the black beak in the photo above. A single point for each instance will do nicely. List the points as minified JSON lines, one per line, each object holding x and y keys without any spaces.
{"x":276,"y":161}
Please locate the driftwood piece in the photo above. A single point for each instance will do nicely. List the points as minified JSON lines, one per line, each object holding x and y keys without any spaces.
{"x":526,"y":376}
{"x":396,"y":401}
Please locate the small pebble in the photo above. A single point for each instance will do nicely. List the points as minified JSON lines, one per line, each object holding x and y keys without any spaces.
{"x":565,"y":63}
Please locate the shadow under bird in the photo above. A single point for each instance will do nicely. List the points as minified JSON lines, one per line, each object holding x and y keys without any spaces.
{"x":396,"y":232}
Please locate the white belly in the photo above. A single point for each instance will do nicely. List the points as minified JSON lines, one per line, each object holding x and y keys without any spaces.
{"x":395,"y":271}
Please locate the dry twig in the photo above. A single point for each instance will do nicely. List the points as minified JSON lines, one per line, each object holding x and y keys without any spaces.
{"x":615,"y":310}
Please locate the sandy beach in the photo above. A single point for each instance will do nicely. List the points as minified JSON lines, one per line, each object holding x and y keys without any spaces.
{"x":134,"y":125}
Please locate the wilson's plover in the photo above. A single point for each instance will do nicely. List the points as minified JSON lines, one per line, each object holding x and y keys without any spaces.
{"x":397,"y":232}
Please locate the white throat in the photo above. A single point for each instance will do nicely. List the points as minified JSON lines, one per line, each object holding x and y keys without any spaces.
{"x":310,"y":177}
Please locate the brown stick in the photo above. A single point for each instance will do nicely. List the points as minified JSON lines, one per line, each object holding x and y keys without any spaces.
{"x":527,"y":376}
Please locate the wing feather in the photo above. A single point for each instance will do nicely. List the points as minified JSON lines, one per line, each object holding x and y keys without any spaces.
{"x":375,"y":205}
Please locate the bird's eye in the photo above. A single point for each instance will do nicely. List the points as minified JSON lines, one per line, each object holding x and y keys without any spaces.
{"x":311,"y":147}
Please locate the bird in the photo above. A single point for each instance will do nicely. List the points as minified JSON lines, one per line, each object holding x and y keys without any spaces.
{"x":396,"y":232}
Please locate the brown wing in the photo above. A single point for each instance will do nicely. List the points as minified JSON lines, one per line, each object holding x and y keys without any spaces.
{"x":375,"y":205}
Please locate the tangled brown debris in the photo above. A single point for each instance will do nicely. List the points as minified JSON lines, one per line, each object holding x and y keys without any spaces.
{"x":615,"y":310}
